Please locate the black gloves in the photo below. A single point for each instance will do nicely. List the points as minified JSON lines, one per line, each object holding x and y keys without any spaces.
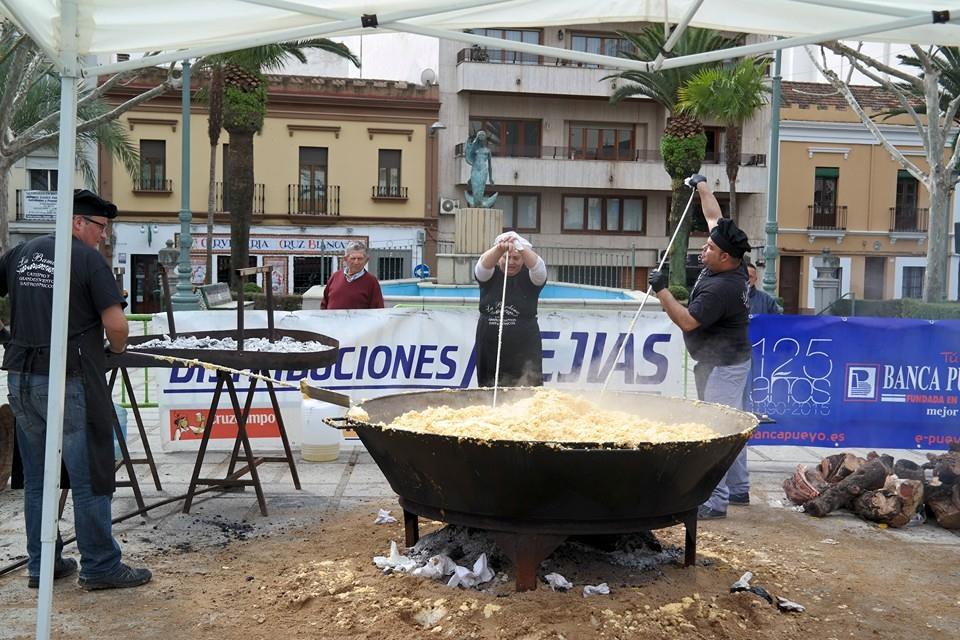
{"x":4,"y":336}
{"x":694,"y":180}
{"x":658,"y":280}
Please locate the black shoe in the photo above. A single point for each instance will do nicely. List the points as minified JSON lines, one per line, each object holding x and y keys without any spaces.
{"x":123,"y":578}
{"x":62,"y":568}
{"x":740,"y":499}
{"x":706,"y":513}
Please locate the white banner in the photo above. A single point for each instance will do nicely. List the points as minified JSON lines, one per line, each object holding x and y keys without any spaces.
{"x":39,"y":205}
{"x":395,"y":350}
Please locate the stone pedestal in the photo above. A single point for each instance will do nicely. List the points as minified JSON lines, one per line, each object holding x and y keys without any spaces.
{"x":475,"y":229}
{"x":826,"y":286}
{"x":474,"y":232}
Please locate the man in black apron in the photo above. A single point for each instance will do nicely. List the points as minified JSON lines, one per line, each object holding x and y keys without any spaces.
{"x":714,"y":325}
{"x":521,"y":359}
{"x":96,"y":305}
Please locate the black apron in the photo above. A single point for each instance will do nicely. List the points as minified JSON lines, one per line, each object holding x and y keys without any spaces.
{"x":101,"y":417}
{"x":86,"y":358}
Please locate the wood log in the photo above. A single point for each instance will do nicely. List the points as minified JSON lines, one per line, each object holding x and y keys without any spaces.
{"x":840,"y":465}
{"x":804,"y":485}
{"x":909,"y":470}
{"x":894,"y":504}
{"x":945,"y":466}
{"x":946,"y":508}
{"x":869,"y":477}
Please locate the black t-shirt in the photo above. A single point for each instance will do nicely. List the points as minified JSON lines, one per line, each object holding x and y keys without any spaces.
{"x":719,"y":302}
{"x":522,"y":296}
{"x":26,"y":274}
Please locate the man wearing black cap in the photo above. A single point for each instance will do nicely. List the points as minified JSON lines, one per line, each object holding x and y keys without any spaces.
{"x":96,"y":306}
{"x":714,"y":325}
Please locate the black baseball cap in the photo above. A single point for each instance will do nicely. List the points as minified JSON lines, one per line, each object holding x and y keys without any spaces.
{"x":87,"y":203}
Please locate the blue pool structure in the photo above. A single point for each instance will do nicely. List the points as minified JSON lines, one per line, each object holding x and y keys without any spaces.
{"x":550,"y":291}
{"x":425,"y":293}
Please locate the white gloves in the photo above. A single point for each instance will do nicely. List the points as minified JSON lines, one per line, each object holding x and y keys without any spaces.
{"x":519,"y":242}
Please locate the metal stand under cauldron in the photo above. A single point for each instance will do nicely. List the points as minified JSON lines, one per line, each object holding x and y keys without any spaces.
{"x":256,"y":362}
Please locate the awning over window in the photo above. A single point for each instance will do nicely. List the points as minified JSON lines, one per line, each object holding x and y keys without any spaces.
{"x":828,"y":172}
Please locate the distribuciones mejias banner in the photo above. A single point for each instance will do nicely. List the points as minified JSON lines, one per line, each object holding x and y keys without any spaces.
{"x":861,"y":382}
{"x":396,"y":350}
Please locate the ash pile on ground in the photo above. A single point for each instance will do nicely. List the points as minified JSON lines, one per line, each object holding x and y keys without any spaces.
{"x":640,"y":551}
{"x":285,"y":344}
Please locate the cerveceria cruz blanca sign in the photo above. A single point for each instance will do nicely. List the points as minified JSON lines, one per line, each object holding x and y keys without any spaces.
{"x":825,"y":381}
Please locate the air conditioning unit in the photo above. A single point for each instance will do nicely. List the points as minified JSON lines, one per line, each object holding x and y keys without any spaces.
{"x":449,"y":205}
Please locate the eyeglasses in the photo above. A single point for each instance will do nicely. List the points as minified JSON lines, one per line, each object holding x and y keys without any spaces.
{"x":102,"y":225}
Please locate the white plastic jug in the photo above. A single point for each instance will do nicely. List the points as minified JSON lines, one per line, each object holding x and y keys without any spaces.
{"x":321,"y":442}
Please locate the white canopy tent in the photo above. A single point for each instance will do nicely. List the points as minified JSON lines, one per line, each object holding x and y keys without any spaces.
{"x":73,"y":32}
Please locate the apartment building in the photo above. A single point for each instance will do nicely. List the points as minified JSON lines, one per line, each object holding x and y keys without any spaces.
{"x":841,"y":191}
{"x":337,"y":160}
{"x":579,"y":176}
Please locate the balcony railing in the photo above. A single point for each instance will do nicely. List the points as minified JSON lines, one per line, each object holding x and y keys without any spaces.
{"x":502,"y":56}
{"x":221,"y":200}
{"x":827,"y":217}
{"x":306,"y":200}
{"x":388,"y":193}
{"x":153,"y":185}
{"x":612,"y":155}
{"x":909,"y":219}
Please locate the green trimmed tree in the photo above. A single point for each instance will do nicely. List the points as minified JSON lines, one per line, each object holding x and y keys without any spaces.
{"x":683,"y":145}
{"x":731,"y":96}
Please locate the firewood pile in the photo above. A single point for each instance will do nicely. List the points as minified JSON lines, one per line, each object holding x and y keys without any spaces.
{"x":880,"y":489}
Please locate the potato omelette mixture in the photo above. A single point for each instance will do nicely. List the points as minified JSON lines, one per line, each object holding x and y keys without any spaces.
{"x":549,"y":416}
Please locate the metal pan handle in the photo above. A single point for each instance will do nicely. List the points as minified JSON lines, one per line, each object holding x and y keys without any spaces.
{"x":342,"y":422}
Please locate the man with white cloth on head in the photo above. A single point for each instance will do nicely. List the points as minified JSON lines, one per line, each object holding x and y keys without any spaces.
{"x":521,"y":362}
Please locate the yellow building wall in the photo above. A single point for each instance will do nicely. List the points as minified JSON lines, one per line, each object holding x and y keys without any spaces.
{"x":352,"y":164}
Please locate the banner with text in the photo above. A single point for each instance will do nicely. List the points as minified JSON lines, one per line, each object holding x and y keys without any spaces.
{"x":856,"y":382}
{"x":396,"y":350}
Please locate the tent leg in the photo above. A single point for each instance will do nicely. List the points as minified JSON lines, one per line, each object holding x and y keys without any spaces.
{"x":69,"y":76}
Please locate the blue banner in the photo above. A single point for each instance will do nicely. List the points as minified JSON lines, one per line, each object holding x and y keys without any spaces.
{"x":856,"y":382}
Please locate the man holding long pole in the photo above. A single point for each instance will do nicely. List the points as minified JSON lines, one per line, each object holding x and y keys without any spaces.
{"x":714,"y":325}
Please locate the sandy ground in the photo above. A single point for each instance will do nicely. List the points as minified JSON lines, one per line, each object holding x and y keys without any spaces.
{"x":318,"y":581}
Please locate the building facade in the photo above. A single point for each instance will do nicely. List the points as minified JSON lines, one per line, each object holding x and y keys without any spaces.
{"x":581,"y":177}
{"x":840,"y":190}
{"x":336,"y":160}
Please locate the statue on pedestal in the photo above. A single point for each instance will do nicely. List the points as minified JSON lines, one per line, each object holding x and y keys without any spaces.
{"x":478,"y":156}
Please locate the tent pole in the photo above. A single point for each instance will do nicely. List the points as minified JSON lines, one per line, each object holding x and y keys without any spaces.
{"x":69,"y":76}
{"x":677,"y":32}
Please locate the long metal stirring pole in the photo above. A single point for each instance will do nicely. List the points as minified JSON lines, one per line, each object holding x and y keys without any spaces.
{"x":636,"y":316}
{"x":503,"y":302}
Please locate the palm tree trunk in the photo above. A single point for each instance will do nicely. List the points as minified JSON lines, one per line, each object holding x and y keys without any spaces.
{"x":240,"y":188}
{"x":732,"y":149}
{"x":678,"y":252}
{"x":211,"y":206}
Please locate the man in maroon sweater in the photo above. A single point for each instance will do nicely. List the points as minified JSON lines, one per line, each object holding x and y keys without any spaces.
{"x":353,"y":287}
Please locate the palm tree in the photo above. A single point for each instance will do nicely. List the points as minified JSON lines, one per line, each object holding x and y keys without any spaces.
{"x":238,"y":87}
{"x":683,"y":145}
{"x":731,"y":96}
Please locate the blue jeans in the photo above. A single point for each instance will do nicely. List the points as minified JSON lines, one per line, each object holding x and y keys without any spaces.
{"x":726,"y":386}
{"x":99,"y":552}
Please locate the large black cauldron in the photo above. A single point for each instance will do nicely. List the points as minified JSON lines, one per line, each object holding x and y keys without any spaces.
{"x":553,"y":489}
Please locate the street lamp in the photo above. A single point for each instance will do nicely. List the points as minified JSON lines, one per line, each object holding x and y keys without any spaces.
{"x":185,"y":299}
